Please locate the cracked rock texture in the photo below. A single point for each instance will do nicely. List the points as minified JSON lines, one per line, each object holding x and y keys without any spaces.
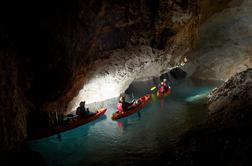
{"x":224,"y":45}
{"x":225,"y":138}
{"x":235,"y":94}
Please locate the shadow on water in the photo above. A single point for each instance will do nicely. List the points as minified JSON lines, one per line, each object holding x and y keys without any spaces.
{"x":84,"y":132}
{"x":124,"y":122}
{"x":57,"y":148}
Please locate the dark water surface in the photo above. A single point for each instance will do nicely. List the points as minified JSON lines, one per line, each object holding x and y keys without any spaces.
{"x":138,"y":138}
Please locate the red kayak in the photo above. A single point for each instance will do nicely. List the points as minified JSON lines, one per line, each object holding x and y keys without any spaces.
{"x":73,"y":123}
{"x":137,"y":107}
{"x":165,"y":93}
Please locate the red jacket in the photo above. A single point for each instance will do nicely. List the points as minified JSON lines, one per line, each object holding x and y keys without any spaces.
{"x":162,"y":89}
{"x":120,"y":107}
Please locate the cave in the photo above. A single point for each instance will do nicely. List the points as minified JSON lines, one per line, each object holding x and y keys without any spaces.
{"x":183,"y":67}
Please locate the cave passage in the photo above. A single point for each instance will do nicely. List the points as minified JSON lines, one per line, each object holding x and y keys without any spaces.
{"x":139,"y":137}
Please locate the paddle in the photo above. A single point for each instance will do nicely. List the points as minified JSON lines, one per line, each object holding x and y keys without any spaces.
{"x":153,"y":88}
{"x":59,"y":137}
{"x":155,"y":85}
{"x":138,"y":112}
{"x":132,"y":95}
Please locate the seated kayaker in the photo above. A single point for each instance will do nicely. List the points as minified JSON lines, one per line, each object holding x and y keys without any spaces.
{"x":82,"y":110}
{"x":161,"y":88}
{"x":166,"y":86}
{"x":123,"y":105}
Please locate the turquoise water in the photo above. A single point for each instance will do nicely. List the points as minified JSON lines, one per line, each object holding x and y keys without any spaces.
{"x":139,"y":138}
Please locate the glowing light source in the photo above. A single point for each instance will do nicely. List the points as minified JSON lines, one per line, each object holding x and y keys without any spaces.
{"x":98,"y":89}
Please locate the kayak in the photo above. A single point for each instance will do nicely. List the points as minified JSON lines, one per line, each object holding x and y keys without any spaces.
{"x":165,"y":93}
{"x":73,"y":123}
{"x":137,"y":107}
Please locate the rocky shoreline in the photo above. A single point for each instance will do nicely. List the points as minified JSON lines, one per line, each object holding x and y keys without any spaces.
{"x":225,"y":138}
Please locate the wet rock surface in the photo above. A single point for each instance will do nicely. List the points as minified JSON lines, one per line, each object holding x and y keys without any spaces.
{"x":225,"y":139}
{"x":236,"y":93}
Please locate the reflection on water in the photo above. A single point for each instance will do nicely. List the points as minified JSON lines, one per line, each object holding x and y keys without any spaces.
{"x":136,"y":138}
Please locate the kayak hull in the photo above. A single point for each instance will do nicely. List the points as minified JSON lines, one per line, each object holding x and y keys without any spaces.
{"x":76,"y":122}
{"x":143,"y":101}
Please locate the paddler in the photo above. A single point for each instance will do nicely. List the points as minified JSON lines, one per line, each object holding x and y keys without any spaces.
{"x":165,"y":84}
{"x":123,"y":105}
{"x":82,"y":110}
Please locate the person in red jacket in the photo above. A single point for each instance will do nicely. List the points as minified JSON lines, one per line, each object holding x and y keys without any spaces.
{"x":164,"y":87}
{"x":161,"y":88}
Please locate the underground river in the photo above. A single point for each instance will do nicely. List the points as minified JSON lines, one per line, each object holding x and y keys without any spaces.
{"x":138,"y":138}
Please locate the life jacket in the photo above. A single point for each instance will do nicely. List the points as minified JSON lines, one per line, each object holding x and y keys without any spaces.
{"x":165,"y":84}
{"x":120,"y":107}
{"x":166,"y":87}
{"x":162,"y":89}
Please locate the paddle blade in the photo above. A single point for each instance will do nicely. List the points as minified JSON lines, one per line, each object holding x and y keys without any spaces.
{"x":153,"y":88}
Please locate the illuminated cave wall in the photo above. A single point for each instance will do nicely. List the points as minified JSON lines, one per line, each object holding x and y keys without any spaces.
{"x":57,"y":47}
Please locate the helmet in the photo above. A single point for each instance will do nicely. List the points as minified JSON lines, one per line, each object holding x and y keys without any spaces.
{"x":122,"y":98}
{"x":82,"y":103}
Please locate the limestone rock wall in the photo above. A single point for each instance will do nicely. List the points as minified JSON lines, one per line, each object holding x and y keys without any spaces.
{"x":225,"y":138}
{"x":224,"y":45}
{"x":13,"y":105}
{"x":235,"y":94}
